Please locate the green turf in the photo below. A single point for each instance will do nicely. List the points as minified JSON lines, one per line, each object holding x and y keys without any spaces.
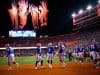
{"x":28,"y":60}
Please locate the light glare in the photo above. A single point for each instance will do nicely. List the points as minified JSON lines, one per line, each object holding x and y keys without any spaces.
{"x":81,"y":11}
{"x":89,"y":7}
{"x":73,"y":15}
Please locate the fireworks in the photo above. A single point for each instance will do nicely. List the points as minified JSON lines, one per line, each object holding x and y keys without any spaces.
{"x":23,"y":8}
{"x":43,"y":14}
{"x":38,"y":14}
{"x":34,"y":14}
{"x":14,"y":16}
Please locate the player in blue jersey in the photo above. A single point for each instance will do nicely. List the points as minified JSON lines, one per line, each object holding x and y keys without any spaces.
{"x":61,"y":50}
{"x":80,"y":51}
{"x":98,"y":54}
{"x":10,"y":56}
{"x":39,"y":56}
{"x":50,"y":54}
{"x":95,"y":52}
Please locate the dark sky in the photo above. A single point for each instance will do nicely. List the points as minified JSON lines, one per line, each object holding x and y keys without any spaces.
{"x":59,"y":18}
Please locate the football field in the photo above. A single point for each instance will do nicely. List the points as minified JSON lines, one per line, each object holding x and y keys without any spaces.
{"x":26,"y":67}
{"x":28,"y":60}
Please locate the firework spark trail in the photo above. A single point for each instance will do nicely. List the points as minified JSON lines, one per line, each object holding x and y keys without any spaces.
{"x":23,"y":8}
{"x":14,"y":16}
{"x":34,"y":13}
{"x":44,"y":12}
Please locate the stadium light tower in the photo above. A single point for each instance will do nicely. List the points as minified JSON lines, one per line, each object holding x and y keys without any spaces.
{"x":74,"y":15}
{"x":80,"y":11}
{"x":89,"y":7}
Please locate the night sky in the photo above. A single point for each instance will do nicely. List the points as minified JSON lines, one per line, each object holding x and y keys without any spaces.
{"x":59,"y":18}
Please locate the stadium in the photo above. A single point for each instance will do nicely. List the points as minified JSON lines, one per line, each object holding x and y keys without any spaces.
{"x":44,"y":39}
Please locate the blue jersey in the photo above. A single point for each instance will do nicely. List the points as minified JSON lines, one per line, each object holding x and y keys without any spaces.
{"x":50,"y":49}
{"x":38,"y":50}
{"x":61,"y":49}
{"x":79,"y":49}
{"x":93,"y":47}
{"x":10,"y":51}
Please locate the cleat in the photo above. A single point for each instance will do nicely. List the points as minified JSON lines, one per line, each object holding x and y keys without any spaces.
{"x":63,"y":65}
{"x":97,"y":67}
{"x":35,"y":68}
{"x":50,"y":66}
{"x":10,"y":69}
{"x":42,"y":67}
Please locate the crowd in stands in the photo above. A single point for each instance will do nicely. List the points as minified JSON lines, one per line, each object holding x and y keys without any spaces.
{"x":71,"y":41}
